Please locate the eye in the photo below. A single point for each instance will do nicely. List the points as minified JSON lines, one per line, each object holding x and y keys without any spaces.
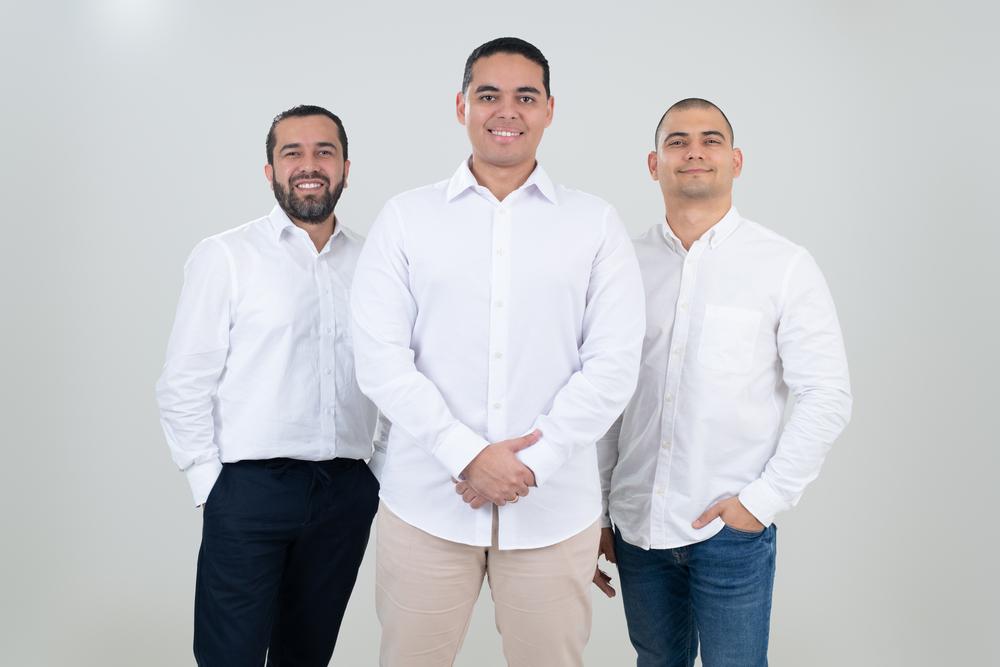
{"x":325,"y":153}
{"x":527,"y":99}
{"x":487,"y":98}
{"x":292,"y":154}
{"x":675,"y":142}
{"x":713,"y":141}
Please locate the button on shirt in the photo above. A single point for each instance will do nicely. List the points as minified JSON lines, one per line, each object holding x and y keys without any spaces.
{"x":733,"y":325}
{"x":260,"y":362}
{"x":477,"y":321}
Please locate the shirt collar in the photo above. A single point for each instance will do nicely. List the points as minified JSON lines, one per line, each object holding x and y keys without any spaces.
{"x":715,"y":235}
{"x":724,"y":228}
{"x":280,"y":221}
{"x":463,"y":180}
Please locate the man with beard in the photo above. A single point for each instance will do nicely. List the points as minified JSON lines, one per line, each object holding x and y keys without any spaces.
{"x":261,"y":409}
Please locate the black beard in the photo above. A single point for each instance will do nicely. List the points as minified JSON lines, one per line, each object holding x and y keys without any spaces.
{"x":312,"y":209}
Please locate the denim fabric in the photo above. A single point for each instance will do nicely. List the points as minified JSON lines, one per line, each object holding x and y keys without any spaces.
{"x":715,"y":593}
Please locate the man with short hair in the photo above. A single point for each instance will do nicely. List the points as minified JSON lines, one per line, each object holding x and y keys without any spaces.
{"x":262,"y":411}
{"x":498,"y":321}
{"x":699,"y":464}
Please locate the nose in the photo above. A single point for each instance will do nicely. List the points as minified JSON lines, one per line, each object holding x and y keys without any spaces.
{"x":694,"y":152}
{"x":308,"y":162}
{"x":508,"y":108}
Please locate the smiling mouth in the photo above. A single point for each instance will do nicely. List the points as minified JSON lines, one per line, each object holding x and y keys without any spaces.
{"x":309,"y":185}
{"x":505,"y":133}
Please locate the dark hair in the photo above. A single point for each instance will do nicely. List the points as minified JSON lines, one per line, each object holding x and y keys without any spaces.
{"x":691,"y":103}
{"x":297,"y":112}
{"x":507,"y":45}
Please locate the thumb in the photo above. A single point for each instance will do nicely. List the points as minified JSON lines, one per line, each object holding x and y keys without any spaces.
{"x":525,"y":441}
{"x":708,"y":516}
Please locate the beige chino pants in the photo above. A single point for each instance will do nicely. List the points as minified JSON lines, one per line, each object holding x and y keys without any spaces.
{"x":426,"y":588}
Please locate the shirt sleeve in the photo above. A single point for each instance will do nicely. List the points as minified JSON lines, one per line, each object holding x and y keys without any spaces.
{"x":196,"y":356}
{"x":607,"y":459}
{"x":384,"y":312}
{"x":814,"y":363}
{"x":614,"y":322}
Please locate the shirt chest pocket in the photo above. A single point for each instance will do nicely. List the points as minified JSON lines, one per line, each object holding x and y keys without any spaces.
{"x":728,"y":338}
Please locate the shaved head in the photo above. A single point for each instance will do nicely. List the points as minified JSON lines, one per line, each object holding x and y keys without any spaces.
{"x":691,"y":103}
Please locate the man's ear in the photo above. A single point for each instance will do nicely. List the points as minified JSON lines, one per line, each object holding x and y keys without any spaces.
{"x":460,"y":108}
{"x":269,"y":174}
{"x":651,"y":164}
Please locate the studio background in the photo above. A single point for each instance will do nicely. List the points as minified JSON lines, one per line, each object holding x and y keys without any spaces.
{"x":134,"y":128}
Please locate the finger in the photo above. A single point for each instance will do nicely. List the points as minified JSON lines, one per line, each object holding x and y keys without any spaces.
{"x":521,"y":489}
{"x":602,"y":581}
{"x":517,"y":444}
{"x":461,"y":488}
{"x":708,"y":515}
{"x":609,"y":553}
{"x":477,"y":502}
{"x":469,"y":495}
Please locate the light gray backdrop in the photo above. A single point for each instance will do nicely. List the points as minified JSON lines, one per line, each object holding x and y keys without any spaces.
{"x":133,"y":128}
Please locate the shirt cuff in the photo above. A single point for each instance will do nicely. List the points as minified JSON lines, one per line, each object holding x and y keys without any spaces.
{"x":458,"y":447}
{"x":761,"y":501}
{"x":201,"y":477}
{"x":543,"y":459}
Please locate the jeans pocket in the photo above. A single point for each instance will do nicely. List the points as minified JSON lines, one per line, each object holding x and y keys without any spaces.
{"x":744,"y":533}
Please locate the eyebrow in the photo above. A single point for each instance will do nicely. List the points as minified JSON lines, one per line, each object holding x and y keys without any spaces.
{"x":706,"y":133}
{"x":489,"y":88}
{"x":321,"y":144}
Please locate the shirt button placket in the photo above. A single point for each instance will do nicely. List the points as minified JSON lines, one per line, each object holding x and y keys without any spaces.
{"x":327,"y":355}
{"x":496,"y":422}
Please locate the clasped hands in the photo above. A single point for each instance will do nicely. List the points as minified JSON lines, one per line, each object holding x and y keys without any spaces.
{"x":496,"y":475}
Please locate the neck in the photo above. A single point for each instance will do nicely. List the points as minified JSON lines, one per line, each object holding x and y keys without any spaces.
{"x":689,"y":219}
{"x":319,"y":233}
{"x":501,"y":181}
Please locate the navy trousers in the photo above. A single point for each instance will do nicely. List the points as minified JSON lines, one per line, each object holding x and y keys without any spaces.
{"x":281,"y":544}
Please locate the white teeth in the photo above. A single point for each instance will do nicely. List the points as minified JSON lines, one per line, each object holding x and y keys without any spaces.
{"x":308,"y":186}
{"x":505,"y":133}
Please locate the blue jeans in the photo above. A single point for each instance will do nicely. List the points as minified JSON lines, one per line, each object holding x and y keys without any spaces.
{"x":716,"y":593}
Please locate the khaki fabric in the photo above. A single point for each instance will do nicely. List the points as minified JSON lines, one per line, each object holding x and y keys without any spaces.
{"x":426,"y":588}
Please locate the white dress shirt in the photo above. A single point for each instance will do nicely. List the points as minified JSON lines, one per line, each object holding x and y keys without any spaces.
{"x":732,"y":325}
{"x":476,"y":321}
{"x":260,"y":362}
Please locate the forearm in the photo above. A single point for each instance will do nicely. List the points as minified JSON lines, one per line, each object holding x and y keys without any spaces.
{"x":817,"y":419}
{"x":607,"y":458}
{"x":184,"y":394}
{"x":411,"y":402}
